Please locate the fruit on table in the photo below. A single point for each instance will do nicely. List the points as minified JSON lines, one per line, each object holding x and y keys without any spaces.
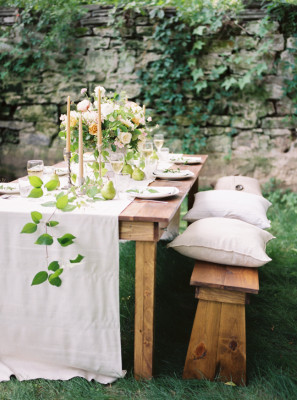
{"x":138,"y":174}
{"x":127,"y":169}
{"x":108,"y":191}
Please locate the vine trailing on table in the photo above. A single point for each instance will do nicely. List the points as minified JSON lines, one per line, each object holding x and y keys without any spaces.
{"x":62,"y":202}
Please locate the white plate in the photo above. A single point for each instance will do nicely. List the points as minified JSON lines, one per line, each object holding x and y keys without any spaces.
{"x":9,"y":188}
{"x":152,"y":192}
{"x":173,"y":174}
{"x":61,"y":171}
{"x":185,"y":160}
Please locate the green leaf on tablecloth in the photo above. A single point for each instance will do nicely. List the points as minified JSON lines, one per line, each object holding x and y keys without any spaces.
{"x":29,"y":228}
{"x":62,"y":202}
{"x":49,"y":204}
{"x":72,"y":199}
{"x":75,"y":158}
{"x":55,"y":274}
{"x":73,"y":177}
{"x":132,"y":191}
{"x":36,"y":216}
{"x":56,"y":282}
{"x":35,"y":181}
{"x":39,"y":278}
{"x":45,"y":239}
{"x":78,"y":259}
{"x":53,"y":266}
{"x":36,"y":192}
{"x":52,"y":223}
{"x":61,"y":194}
{"x":92,"y":191}
{"x":129,"y":155}
{"x":152,"y":190}
{"x":66,"y":239}
{"x":52,"y":185}
{"x":69,"y":207}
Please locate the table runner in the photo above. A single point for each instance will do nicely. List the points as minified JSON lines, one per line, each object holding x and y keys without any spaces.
{"x":59,"y":333}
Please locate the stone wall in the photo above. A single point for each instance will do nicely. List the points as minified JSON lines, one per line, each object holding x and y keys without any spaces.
{"x":251,"y":137}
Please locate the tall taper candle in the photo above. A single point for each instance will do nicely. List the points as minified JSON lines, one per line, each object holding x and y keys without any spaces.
{"x":68,"y":126}
{"x":99,"y":128}
{"x":80,"y":149}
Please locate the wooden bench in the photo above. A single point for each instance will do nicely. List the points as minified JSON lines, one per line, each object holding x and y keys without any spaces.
{"x":217,"y":347}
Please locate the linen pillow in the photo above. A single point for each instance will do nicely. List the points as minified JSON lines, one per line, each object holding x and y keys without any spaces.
{"x":224,"y":241}
{"x":239,"y":183}
{"x":230,"y":204}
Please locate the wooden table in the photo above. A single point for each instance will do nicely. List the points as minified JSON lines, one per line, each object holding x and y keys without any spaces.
{"x":145,"y":222}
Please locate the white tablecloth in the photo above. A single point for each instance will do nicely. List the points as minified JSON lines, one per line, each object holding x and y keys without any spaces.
{"x":74,"y":330}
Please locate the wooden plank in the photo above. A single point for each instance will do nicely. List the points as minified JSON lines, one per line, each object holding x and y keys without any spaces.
{"x":192,"y":192}
{"x":143,"y":231}
{"x":221,"y":295}
{"x":225,"y":277}
{"x":231,"y":354}
{"x":201,"y":356}
{"x":145,"y":270}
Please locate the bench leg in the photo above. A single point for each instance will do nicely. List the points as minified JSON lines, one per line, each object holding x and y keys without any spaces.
{"x":217,"y":345}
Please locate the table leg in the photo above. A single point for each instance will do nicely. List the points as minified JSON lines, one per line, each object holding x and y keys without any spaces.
{"x":191,"y":195}
{"x":145,"y":271}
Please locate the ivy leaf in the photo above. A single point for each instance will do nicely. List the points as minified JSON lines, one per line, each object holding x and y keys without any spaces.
{"x":199,"y":30}
{"x":66,"y":239}
{"x":69,"y":207}
{"x":77,"y":259}
{"x":55,"y":274}
{"x":59,"y":195}
{"x":73,"y":177}
{"x":35,"y":181}
{"x":56,"y":282}
{"x":39,"y":278}
{"x":197,"y":73}
{"x":62,"y":202}
{"x":52,"y":223}
{"x":36,"y":192}
{"x":228,"y":83}
{"x":54,"y":265}
{"x":36,"y":216}
{"x":52,"y":184}
{"x":92,"y":191}
{"x":29,"y":228}
{"x":200,"y":86}
{"x":199,"y":45}
{"x":49,"y":204}
{"x":152,"y":191}
{"x":45,"y":239}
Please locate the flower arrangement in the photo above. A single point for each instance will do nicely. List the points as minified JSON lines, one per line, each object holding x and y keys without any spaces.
{"x":123,"y":122}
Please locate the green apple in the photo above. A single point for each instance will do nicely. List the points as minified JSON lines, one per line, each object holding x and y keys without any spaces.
{"x":127,"y":169}
{"x":108,"y":191}
{"x":138,"y":174}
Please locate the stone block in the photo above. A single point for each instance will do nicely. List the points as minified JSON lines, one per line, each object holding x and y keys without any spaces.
{"x":105,"y":32}
{"x":34,"y":139}
{"x":47,"y":128}
{"x":292,"y":43}
{"x":276,"y":132}
{"x":246,"y":60}
{"x":219,"y":120}
{"x":5,"y":45}
{"x":249,"y":120}
{"x":216,"y":131}
{"x":246,"y":42}
{"x":101,"y":61}
{"x":15,"y":125}
{"x":281,"y":143}
{"x":286,"y":65}
{"x":218,"y":144}
{"x":243,"y":139}
{"x":275,"y":42}
{"x":126,"y":31}
{"x":278,"y":123}
{"x":146,"y":58}
{"x":223,"y":47}
{"x":274,"y":87}
{"x":127,"y":62}
{"x":209,"y":61}
{"x":285,"y":106}
{"x":145,"y":30}
{"x":183,"y":120}
{"x":93,"y":43}
{"x":36,"y":113}
{"x":149,"y":44}
{"x":255,"y":27}
{"x":142,"y":20}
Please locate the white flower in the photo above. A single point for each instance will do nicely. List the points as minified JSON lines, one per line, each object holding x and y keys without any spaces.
{"x":125,"y":137}
{"x":83,"y":106}
{"x":106,"y":109}
{"x":102,"y":91}
{"x":90,"y":117}
{"x":149,"y":119}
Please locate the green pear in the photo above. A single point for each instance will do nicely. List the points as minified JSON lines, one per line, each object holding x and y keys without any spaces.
{"x":154,"y":156}
{"x":108,"y":191}
{"x":55,"y":177}
{"x":138,"y":174}
{"x":127,"y":169}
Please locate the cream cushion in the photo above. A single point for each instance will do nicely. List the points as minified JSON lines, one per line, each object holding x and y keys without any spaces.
{"x":230,"y":204}
{"x":239,"y":183}
{"x":224,"y":241}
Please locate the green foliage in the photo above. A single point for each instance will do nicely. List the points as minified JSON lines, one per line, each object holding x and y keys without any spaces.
{"x":45,"y":29}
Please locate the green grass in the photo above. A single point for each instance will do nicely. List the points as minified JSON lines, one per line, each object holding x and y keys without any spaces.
{"x":271,"y":330}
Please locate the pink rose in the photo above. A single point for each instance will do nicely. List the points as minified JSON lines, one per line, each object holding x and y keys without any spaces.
{"x":83,"y":91}
{"x":83,"y":106}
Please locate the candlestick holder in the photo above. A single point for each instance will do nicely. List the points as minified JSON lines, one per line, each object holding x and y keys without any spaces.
{"x":80,"y":180}
{"x":69,"y":184}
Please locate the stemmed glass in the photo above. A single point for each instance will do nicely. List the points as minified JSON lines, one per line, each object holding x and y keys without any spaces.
{"x":117,"y":163}
{"x":158,"y":141}
{"x":147,"y":151}
{"x":35,"y":167}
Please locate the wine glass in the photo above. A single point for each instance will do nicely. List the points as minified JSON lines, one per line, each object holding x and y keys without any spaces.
{"x":35,"y":167}
{"x":147,"y":149}
{"x":117,"y":163}
{"x":158,"y":141}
